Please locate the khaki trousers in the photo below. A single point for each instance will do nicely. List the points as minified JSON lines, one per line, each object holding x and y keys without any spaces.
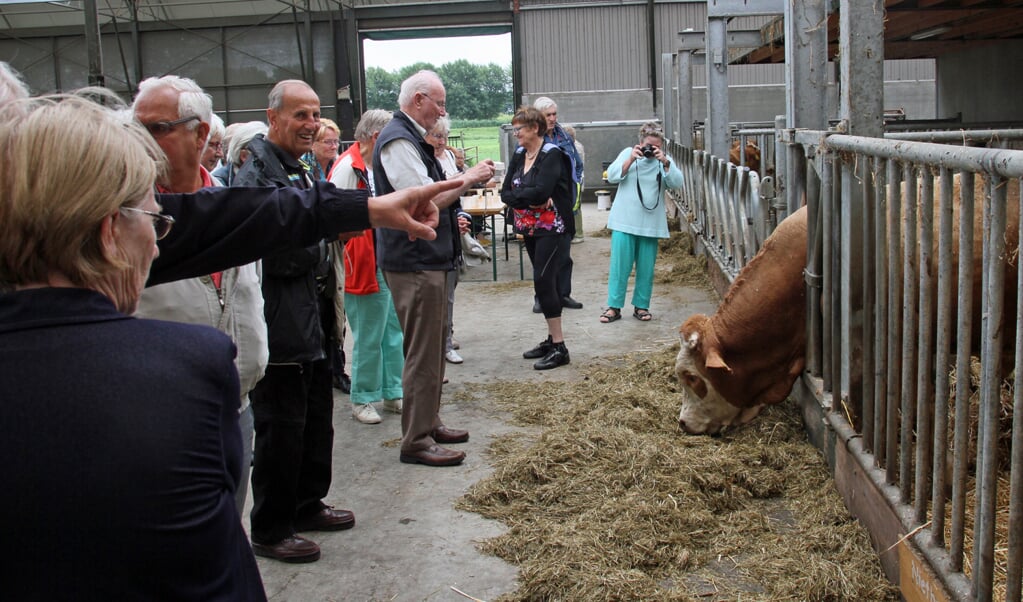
{"x":421,"y":302}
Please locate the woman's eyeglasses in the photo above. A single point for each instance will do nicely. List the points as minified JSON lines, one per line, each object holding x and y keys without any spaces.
{"x":162,"y":128}
{"x":330,"y":142}
{"x":161,"y":223}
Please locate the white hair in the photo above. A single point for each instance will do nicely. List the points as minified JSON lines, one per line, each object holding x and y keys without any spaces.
{"x":241,"y":135}
{"x":420,"y":81}
{"x":443,"y":125}
{"x":543,"y":103}
{"x":192,"y":100}
{"x":217,"y":130}
{"x":11,"y":86}
{"x":371,"y":122}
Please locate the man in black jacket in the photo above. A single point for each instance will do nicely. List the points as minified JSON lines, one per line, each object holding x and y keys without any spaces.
{"x":293,"y":405}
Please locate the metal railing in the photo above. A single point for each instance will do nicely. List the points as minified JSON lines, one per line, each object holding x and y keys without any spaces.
{"x":894,"y":311}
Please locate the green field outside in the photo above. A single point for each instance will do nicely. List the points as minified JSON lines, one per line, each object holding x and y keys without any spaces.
{"x":479,"y":142}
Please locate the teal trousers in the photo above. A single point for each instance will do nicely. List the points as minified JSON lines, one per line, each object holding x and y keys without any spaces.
{"x":628,"y":250}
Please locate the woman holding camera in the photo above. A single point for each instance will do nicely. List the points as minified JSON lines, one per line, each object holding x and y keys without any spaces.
{"x":637,"y":219}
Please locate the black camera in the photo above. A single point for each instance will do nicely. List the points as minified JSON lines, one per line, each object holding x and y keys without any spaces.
{"x":648,"y":151}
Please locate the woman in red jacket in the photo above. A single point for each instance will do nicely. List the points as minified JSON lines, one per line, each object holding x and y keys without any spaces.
{"x":377,"y":355}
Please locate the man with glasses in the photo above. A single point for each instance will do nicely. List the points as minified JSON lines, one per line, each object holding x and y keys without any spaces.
{"x":294,"y":403}
{"x":230,"y":300}
{"x":416,"y":270}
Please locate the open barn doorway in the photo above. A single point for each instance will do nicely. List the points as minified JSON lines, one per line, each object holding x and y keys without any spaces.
{"x":477,"y":75}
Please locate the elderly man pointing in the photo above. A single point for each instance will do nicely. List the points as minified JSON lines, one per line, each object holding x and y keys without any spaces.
{"x":416,"y":270}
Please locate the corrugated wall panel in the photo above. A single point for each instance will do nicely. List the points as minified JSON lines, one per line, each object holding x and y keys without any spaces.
{"x":578,"y":49}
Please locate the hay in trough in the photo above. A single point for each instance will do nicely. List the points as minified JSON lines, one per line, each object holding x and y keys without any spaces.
{"x":676,"y":263}
{"x":606,"y":499}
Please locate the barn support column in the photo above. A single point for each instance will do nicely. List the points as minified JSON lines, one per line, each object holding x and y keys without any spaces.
{"x":861,"y":52}
{"x":715,"y":131}
{"x":92,"y":44}
{"x":684,"y":69}
{"x":806,"y":61}
{"x":348,"y":59}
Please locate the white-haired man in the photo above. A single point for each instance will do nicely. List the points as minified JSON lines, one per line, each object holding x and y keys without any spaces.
{"x":230,"y":300}
{"x":416,"y":270}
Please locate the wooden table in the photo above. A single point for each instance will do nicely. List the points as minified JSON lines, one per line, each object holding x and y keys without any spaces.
{"x":486,"y":205}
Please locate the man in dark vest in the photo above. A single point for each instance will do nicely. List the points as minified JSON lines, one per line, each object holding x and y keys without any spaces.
{"x":416,"y":269}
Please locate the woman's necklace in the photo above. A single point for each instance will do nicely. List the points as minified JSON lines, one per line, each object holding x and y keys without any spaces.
{"x":531,"y":156}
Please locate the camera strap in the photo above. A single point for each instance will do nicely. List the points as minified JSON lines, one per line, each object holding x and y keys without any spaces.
{"x":639,"y":191}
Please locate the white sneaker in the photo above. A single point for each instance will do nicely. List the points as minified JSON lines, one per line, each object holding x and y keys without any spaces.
{"x":364,"y":413}
{"x":395,"y":406}
{"x":453,"y":357}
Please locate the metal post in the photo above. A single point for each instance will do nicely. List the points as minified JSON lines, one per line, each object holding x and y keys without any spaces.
{"x":716,"y":130}
{"x":806,"y":63}
{"x":685,"y":98}
{"x":667,"y":83}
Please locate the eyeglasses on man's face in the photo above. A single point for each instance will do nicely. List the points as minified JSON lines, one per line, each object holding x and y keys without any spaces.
{"x":217,"y":146}
{"x":162,"y":128}
{"x":161,"y":223}
{"x":442,"y":104}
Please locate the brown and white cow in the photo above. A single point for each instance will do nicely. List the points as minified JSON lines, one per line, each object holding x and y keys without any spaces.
{"x":750,"y":352}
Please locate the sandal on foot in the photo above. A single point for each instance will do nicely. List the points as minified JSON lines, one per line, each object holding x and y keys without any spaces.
{"x":642,"y":315}
{"x":610,"y":315}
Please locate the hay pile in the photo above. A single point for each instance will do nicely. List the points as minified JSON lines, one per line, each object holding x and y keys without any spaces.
{"x":676,"y":263}
{"x":609,"y":501}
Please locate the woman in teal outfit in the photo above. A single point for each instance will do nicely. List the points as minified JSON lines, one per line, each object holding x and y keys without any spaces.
{"x":637,"y":219}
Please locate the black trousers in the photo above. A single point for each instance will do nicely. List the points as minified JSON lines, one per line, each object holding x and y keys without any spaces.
{"x":293,"y":407}
{"x":548,"y":253}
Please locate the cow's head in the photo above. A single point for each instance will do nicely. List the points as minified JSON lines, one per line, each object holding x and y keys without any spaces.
{"x":704,"y":410}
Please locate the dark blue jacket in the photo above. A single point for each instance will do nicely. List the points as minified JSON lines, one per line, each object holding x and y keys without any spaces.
{"x":121,"y":455}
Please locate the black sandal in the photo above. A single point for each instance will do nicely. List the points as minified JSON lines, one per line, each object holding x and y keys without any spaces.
{"x":610,"y":315}
{"x":642,"y":315}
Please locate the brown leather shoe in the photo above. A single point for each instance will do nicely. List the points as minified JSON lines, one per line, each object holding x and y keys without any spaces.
{"x":443,"y":434}
{"x":327,"y":519}
{"x":434,"y":455}
{"x":295,"y":549}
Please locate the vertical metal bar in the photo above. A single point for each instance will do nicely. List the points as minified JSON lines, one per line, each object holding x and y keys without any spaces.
{"x":894,"y":320}
{"x":909,"y":339}
{"x":685,"y":98}
{"x":829,"y":259}
{"x":308,"y":22}
{"x":93,"y":44}
{"x":924,"y":381}
{"x":869,"y":284}
{"x":849,"y":289}
{"x":964,"y":336}
{"x":942,"y":358}
{"x":1014,"y":567}
{"x":881,"y":303}
{"x":780,"y":174}
{"x":861,"y":54}
{"x":716,"y":130}
{"x":814,"y":255}
{"x":298,"y":43}
{"x":991,"y":361}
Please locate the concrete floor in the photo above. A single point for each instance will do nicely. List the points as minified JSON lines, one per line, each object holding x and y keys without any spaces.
{"x":409,"y":543}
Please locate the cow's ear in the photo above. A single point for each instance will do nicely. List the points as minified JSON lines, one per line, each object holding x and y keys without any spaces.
{"x":714,"y":360}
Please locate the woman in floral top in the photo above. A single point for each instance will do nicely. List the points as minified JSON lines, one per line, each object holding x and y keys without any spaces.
{"x":538,"y":188}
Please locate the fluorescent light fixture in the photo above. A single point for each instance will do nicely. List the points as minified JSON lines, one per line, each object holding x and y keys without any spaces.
{"x":929,"y":33}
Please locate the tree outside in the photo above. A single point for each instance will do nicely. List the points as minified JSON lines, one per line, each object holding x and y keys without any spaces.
{"x":474,"y":92}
